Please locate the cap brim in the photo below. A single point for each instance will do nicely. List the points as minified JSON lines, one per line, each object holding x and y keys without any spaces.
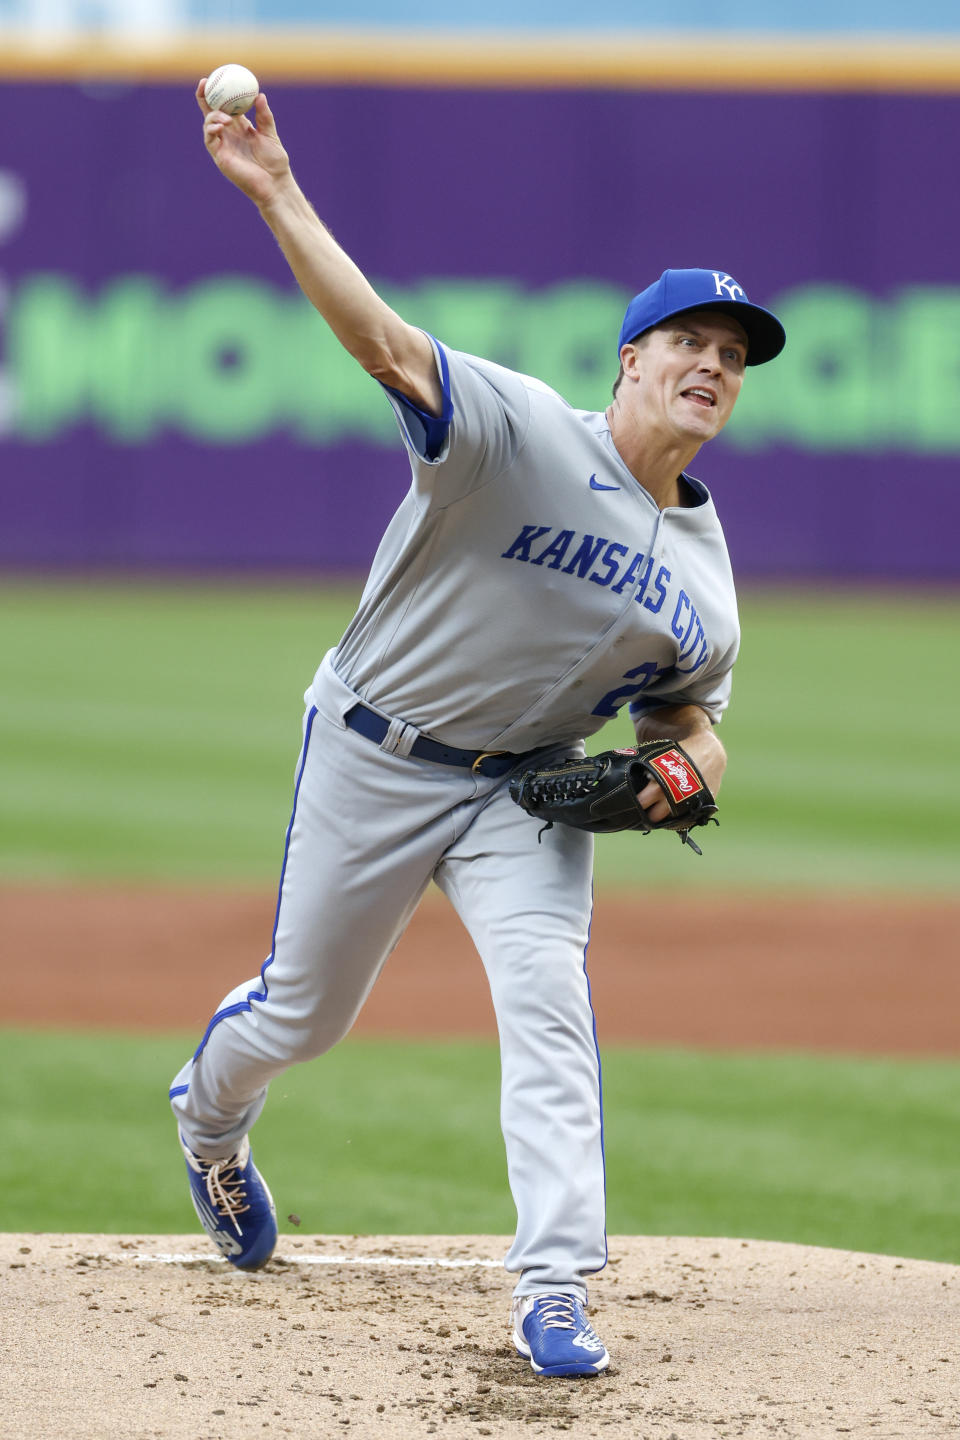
{"x":766,"y":337}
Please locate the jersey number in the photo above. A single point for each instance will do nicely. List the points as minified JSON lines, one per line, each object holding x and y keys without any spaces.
{"x":613,"y":699}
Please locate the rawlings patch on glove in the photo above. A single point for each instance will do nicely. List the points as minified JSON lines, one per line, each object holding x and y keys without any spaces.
{"x":600,"y":792}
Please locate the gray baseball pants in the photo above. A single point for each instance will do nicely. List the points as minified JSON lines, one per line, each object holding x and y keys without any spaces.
{"x":370,"y":829}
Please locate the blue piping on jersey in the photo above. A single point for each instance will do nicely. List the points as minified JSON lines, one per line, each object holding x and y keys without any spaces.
{"x":435,"y":427}
{"x":256,"y":995}
{"x":596,"y":1046}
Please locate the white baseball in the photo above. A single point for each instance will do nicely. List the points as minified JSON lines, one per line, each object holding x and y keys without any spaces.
{"x":232,"y":88}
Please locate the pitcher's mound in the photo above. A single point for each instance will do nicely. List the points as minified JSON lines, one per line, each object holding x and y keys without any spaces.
{"x":150,"y":1336}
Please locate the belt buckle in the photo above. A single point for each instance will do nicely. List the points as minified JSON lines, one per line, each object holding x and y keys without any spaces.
{"x":486,"y":755}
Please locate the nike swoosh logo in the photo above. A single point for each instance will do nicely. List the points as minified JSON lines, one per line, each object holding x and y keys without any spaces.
{"x":596,"y":485}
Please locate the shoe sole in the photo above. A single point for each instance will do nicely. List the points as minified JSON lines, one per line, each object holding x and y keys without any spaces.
{"x":257,"y":1264}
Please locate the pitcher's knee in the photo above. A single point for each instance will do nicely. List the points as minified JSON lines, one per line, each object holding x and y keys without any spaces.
{"x":548,"y":977}
{"x":304,"y":1036}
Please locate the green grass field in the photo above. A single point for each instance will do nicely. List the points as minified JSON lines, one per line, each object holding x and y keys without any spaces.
{"x":382,"y":1138}
{"x":151,"y":733}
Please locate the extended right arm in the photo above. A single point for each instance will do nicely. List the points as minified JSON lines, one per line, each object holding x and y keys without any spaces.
{"x":393,"y":352}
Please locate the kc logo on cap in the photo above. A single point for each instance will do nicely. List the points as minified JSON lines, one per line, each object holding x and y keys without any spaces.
{"x":726,"y":285}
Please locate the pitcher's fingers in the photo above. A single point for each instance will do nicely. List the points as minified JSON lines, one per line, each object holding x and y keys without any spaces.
{"x":650,"y":794}
{"x":652,"y":802}
{"x":201,"y":98}
{"x":658,"y":812}
{"x":215,"y":122}
{"x":265,"y":121}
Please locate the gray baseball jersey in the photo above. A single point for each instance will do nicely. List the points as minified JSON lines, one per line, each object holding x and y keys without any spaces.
{"x":527,"y":587}
{"x":525,"y":590}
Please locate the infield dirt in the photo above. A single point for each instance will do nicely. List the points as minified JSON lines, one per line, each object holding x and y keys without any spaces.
{"x":143,"y":1337}
{"x":840,"y":973}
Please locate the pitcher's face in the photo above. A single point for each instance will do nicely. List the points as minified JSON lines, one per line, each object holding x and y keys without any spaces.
{"x":688,"y":373}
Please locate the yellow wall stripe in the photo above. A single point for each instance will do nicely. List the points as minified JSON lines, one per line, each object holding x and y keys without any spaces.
{"x":629,"y":61}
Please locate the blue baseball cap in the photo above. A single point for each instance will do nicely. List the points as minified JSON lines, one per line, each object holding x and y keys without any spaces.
{"x":678,"y":291}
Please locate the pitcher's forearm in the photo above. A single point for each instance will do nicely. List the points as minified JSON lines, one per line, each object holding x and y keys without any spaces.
{"x":383,"y":343}
{"x":677,"y":722}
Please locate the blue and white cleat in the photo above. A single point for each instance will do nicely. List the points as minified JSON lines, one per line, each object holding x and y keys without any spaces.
{"x":234,"y":1206}
{"x":554,"y":1334}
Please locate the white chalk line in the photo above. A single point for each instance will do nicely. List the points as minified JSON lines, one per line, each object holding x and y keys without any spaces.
{"x":415,"y":1262}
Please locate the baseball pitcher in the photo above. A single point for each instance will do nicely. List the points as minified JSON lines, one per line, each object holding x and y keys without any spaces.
{"x":545,"y":567}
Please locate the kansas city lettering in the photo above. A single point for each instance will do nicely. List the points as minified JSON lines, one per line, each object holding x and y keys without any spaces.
{"x":594,"y":558}
{"x":612,"y":565}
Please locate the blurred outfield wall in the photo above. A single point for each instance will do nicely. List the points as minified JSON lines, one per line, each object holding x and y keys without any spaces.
{"x":168,"y":399}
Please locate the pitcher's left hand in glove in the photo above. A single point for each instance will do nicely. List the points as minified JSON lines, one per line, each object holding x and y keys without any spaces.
{"x":601,"y":792}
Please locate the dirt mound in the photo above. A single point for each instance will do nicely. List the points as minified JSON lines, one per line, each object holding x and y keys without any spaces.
{"x":147,"y":1336}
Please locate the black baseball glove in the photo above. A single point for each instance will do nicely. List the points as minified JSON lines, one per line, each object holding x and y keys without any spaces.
{"x":600,"y":792}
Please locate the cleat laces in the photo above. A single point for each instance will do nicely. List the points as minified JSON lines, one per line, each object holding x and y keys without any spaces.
{"x":557,"y":1313}
{"x":225,"y":1188}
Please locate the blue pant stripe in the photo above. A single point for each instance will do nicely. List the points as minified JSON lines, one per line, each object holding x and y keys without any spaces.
{"x":261,"y":995}
{"x":596,"y":1046}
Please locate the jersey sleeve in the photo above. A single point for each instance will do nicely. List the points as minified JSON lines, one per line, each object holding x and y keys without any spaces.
{"x":480,"y":430}
{"x":710,"y":689}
